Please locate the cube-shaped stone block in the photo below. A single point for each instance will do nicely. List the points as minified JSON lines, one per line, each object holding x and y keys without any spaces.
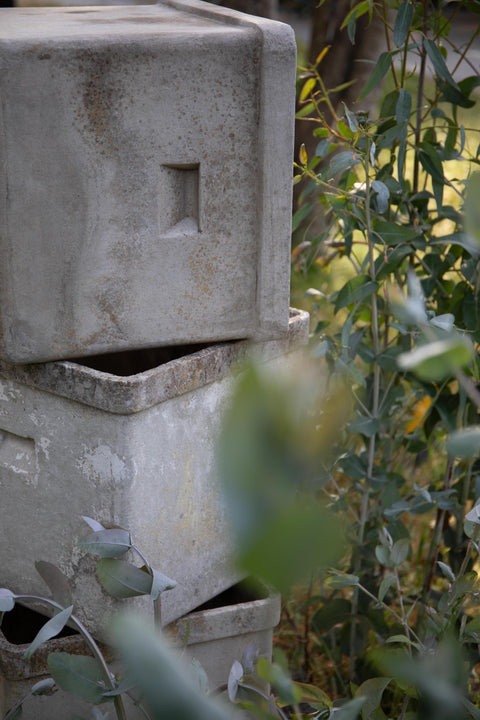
{"x":136,"y":451}
{"x":145,"y":177}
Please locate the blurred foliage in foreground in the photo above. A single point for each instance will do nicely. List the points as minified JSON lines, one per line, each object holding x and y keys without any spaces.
{"x":390,"y":211}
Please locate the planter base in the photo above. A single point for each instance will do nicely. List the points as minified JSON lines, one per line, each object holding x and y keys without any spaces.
{"x":215,"y":635}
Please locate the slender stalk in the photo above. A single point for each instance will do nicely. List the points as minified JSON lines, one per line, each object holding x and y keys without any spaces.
{"x":97,"y":653}
{"x":141,"y":555}
{"x":392,"y":612}
{"x":406,"y":700}
{"x":402,"y":609}
{"x":375,"y":407}
{"x":436,"y":537}
{"x":465,"y":495}
{"x":306,"y":632}
{"x":421,"y":83}
{"x":157,"y":612}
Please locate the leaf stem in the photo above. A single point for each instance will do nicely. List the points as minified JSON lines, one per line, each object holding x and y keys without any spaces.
{"x":97,"y":653}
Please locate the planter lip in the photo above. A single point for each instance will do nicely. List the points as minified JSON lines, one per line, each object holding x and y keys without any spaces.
{"x":227,"y":621}
{"x":13,"y":665}
{"x":126,"y":395}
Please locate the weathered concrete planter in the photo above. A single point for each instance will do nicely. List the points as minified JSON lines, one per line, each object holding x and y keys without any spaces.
{"x":136,"y":451}
{"x":216,"y":637}
{"x":145,"y":178}
{"x":218,"y":634}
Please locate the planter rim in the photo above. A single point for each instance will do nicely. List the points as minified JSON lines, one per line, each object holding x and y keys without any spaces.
{"x":126,"y":395}
{"x":227,"y":621}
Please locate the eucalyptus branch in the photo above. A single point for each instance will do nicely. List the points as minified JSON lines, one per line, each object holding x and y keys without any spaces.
{"x":402,"y":608}
{"x":97,"y":653}
{"x":463,"y":57}
{"x":392,"y":612}
{"x":375,"y":405}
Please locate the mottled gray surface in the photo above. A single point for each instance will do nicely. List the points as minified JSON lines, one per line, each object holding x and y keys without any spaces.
{"x":130,"y":394}
{"x":151,"y":471}
{"x":145,"y":177}
{"x":215,"y":637}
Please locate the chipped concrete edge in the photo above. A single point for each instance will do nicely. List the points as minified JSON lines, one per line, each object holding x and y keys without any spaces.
{"x":129,"y":395}
{"x":227,"y":621}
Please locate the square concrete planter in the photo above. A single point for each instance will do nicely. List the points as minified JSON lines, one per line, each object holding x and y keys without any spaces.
{"x":145,"y":178}
{"x":216,"y":636}
{"x":218,"y":633}
{"x":136,"y":451}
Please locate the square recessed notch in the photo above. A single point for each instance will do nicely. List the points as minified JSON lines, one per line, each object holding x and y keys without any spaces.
{"x":179,"y":199}
{"x":17,"y":453}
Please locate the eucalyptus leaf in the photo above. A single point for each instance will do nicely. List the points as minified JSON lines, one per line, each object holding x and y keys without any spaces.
{"x":399,"y":551}
{"x":167,"y":690}
{"x":394,"y":234}
{"x":444,"y":322}
{"x":160,"y":583}
{"x":7,"y":600}
{"x":51,"y":628}
{"x":340,"y":162}
{"x":93,"y":524}
{"x":431,"y":162}
{"x":121,"y":579}
{"x":382,"y":554}
{"x":381,"y":68}
{"x":348,"y":710}
{"x":372,"y":690}
{"x":234,"y":677}
{"x":403,"y":639}
{"x":438,"y":63}
{"x":43,"y":687}
{"x":307,"y":88}
{"x":385,"y":586}
{"x":343,"y":580}
{"x":56,"y":582}
{"x":403,"y":21}
{"x":383,"y":195}
{"x":110,"y":543}
{"x":250,"y":657}
{"x":355,"y":290}
{"x":281,"y":682}
{"x":464,"y":443}
{"x":474,"y":515}
{"x":79,"y":675}
{"x":439,"y":359}
{"x":200,"y":676}
{"x":447,"y":570}
{"x":364,"y":426}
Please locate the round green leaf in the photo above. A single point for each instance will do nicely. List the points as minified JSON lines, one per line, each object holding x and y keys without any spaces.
{"x":56,"y":582}
{"x":107,"y":543}
{"x":122,"y":579}
{"x":464,"y":443}
{"x":79,"y":675}
{"x":7,"y":600}
{"x":439,"y":359}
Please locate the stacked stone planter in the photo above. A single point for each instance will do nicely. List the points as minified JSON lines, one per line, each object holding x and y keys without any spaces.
{"x":135,"y":451}
{"x":145,"y":178}
{"x":145,"y":190}
{"x":216,"y":636}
